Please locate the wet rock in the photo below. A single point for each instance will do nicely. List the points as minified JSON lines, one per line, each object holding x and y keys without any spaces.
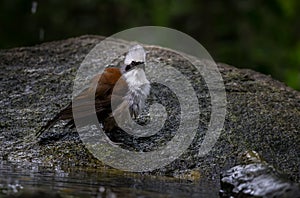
{"x":36,"y":82}
{"x":257,"y":179}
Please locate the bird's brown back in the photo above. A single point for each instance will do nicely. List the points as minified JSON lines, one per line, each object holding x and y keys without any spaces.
{"x":99,"y":93}
{"x":100,"y":90}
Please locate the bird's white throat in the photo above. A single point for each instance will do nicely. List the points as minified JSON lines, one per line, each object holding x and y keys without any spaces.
{"x":135,"y":78}
{"x":138,"y":89}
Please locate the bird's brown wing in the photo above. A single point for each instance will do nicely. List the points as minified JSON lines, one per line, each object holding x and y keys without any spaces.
{"x":101,"y":97}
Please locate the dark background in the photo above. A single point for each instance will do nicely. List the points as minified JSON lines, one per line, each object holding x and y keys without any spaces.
{"x":258,"y":34}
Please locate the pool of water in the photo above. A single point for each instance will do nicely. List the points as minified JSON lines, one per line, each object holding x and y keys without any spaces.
{"x":34,"y":180}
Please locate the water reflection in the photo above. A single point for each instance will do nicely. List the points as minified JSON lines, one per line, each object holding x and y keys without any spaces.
{"x":33,"y":180}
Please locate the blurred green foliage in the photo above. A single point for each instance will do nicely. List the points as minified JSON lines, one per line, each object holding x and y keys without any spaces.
{"x":262,"y":35}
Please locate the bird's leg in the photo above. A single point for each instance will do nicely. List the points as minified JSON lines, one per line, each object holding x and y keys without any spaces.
{"x":70,"y":124}
{"x":109,"y":125}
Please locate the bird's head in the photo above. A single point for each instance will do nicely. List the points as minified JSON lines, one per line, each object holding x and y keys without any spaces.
{"x":133,"y":70}
{"x":135,"y":59}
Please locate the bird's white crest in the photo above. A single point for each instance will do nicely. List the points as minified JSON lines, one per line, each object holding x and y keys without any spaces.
{"x":136,"y":53}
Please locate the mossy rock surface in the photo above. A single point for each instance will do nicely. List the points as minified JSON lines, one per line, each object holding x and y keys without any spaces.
{"x":36,"y":82}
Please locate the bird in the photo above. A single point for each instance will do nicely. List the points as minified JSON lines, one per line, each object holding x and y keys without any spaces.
{"x":131,"y":92}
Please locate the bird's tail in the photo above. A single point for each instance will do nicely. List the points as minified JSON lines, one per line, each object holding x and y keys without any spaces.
{"x":49,"y":124}
{"x":65,"y":114}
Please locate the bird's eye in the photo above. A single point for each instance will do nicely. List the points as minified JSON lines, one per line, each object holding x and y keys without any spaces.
{"x":132,"y":64}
